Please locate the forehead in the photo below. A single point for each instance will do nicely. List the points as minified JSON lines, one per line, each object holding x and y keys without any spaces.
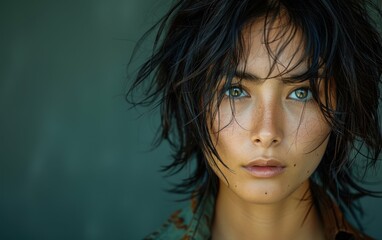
{"x":273,"y":48}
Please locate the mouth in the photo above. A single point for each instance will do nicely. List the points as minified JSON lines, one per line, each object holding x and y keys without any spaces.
{"x":262,"y":168}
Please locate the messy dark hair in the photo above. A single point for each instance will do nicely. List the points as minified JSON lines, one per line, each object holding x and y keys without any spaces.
{"x":200,"y":42}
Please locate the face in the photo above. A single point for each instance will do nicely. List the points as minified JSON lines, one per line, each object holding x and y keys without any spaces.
{"x":270,"y":134}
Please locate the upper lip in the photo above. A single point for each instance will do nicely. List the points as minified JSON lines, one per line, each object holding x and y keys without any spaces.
{"x":265,"y":163}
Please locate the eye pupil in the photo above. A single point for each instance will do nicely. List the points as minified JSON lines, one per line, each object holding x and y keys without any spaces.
{"x":235,"y":92}
{"x":301,"y":93}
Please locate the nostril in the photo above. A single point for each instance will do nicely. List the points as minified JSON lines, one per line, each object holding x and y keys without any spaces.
{"x":265,"y":141}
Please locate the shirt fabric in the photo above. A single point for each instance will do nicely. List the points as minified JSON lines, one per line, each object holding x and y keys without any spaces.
{"x":194,"y":223}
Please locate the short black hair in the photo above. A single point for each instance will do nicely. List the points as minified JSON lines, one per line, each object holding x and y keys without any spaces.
{"x":200,"y":42}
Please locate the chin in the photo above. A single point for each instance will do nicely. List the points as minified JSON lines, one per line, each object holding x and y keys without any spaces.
{"x":261,"y":198}
{"x":265,"y":193}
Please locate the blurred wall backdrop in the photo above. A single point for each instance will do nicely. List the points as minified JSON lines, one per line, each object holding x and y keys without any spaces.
{"x":75,"y":162}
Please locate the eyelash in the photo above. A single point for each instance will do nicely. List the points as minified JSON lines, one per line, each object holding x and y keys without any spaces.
{"x":243,"y":93}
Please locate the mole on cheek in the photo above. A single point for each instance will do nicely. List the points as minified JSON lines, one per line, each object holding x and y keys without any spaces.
{"x":266,"y":193}
{"x":294,"y":165}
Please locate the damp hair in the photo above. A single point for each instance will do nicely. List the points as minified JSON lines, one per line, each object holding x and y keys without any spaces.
{"x":200,"y":42}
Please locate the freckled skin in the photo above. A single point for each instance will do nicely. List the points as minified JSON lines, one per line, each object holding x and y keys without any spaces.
{"x":271,"y":131}
{"x":267,"y":123}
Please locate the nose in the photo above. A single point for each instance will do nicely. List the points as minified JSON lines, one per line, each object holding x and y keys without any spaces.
{"x":267,"y":125}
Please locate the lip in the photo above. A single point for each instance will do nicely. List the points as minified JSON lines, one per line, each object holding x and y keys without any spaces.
{"x":265,"y":168}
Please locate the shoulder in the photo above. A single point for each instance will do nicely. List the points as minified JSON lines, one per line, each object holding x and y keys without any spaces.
{"x":191,"y":222}
{"x":335,"y":224}
{"x":174,"y":228}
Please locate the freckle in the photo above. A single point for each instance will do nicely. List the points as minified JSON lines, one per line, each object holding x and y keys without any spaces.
{"x":294,"y":165}
{"x":307,"y":171}
{"x":235,"y":186}
{"x":288,"y":185}
{"x":266,"y":193}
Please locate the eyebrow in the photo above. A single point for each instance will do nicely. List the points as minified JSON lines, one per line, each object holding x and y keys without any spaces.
{"x":246,"y":76}
{"x":252,"y":77}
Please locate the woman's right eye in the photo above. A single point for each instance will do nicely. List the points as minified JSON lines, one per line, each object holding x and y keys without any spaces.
{"x":236,"y":92}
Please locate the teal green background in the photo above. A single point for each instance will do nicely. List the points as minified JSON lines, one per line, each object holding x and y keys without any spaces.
{"x":75,"y":161}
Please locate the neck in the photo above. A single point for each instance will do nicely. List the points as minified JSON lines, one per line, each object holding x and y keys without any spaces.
{"x":292,"y":218}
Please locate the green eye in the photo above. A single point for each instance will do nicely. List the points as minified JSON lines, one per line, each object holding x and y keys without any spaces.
{"x":301,"y":94}
{"x":235,"y":92}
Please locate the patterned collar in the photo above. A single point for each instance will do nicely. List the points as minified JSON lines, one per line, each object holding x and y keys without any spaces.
{"x":195,"y":222}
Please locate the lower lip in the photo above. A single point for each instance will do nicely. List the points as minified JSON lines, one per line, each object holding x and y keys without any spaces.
{"x":265,"y":171}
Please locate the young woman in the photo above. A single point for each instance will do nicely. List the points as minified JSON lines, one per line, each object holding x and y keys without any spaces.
{"x":275,"y":106}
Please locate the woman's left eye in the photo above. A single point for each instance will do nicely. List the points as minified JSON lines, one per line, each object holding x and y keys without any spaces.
{"x":301,"y":94}
{"x":236,"y":92}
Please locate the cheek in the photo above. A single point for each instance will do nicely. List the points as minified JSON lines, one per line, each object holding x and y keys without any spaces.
{"x":233,"y":115}
{"x":312,"y":132}
{"x":228,"y":138}
{"x":311,"y":142}
{"x":226,"y":131}
{"x":227,"y":141}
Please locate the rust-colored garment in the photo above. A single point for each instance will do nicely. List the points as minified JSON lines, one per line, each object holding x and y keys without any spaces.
{"x":195,"y":223}
{"x":335,"y":225}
